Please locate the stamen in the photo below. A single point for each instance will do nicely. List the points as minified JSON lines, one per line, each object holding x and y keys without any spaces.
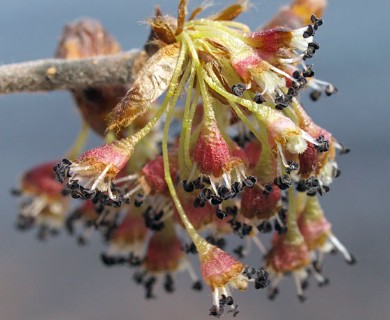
{"x":340,"y":247}
{"x":101,"y":176}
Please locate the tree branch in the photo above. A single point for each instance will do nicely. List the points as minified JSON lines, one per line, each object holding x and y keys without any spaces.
{"x":55,"y":74}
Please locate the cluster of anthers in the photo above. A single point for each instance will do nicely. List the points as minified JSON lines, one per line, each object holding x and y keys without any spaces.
{"x":244,"y":157}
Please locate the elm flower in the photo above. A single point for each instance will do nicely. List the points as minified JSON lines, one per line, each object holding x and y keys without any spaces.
{"x":289,"y":253}
{"x":221,"y":170}
{"x":318,"y":236}
{"x":95,"y":169}
{"x":127,"y":241}
{"x":163,"y":258}
{"x":82,"y":221}
{"x":222,"y":272}
{"x":42,"y":201}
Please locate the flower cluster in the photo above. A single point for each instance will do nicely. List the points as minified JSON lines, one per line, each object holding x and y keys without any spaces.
{"x":244,"y":157}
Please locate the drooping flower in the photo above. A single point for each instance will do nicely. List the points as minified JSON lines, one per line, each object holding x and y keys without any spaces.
{"x":95,"y":169}
{"x":42,"y":202}
{"x":163,"y":259}
{"x":317,"y":232}
{"x":221,"y":272}
{"x":126,"y":243}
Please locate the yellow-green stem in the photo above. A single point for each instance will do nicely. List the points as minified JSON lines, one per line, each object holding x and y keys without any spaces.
{"x":79,"y":143}
{"x":293,"y":236}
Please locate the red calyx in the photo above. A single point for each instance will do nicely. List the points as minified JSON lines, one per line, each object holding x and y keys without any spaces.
{"x":211,"y":152}
{"x":256,"y":203}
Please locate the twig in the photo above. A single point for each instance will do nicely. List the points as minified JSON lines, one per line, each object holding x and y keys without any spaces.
{"x":55,"y":74}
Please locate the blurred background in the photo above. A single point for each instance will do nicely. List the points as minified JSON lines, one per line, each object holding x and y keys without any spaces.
{"x":59,"y":280}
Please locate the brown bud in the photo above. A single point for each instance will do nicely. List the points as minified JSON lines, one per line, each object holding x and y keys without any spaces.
{"x":88,"y":38}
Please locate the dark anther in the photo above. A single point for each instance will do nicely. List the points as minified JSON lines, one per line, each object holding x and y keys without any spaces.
{"x":16,"y":192}
{"x":267,"y":189}
{"x":308,"y":72}
{"x":224,"y":192}
{"x":323,"y":189}
{"x":229,"y":300}
{"x":239,"y":251}
{"x":197,"y":285}
{"x":189,"y":248}
{"x":138,"y":277}
{"x":107,"y":260}
{"x":220,"y":214}
{"x":133,"y":260}
{"x":265,"y":227}
{"x":323,"y":283}
{"x":344,"y":149}
{"x":302,"y":82}
{"x":292,"y":92}
{"x":281,"y":229}
{"x":304,"y":284}
{"x":216,"y":311}
{"x":249,"y":182}
{"x":231,"y":211}
{"x":169,"y":284}
{"x":316,"y":22}
{"x":352,"y":260}
{"x":259,"y":98}
{"x":152,"y":221}
{"x":206,"y":179}
{"x":81,"y":241}
{"x":308,"y":32}
{"x":187,"y":186}
{"x":198,"y":184}
{"x":246,"y":229}
{"x":73,"y":184}
{"x":62,"y":170}
{"x":315,"y":95}
{"x":249,"y":272}
{"x":283,"y":182}
{"x":330,"y":89}
{"x":301,"y":186}
{"x":314,"y":45}
{"x":281,"y":106}
{"x":66,"y":162}
{"x":323,"y":145}
{"x":24,"y":223}
{"x":282,"y":214}
{"x":215,"y":200}
{"x":312,"y":182}
{"x":236,"y":187}
{"x":292,"y":166}
{"x":261,"y":279}
{"x":296,"y":85}
{"x":220,"y":243}
{"x":199,"y":203}
{"x":239,"y":89}
{"x":150,"y":282}
{"x":223,"y":301}
{"x":205,"y":194}
{"x":273,"y":293}
{"x":138,"y":200}
{"x":296,"y":74}
{"x":235,"y":311}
